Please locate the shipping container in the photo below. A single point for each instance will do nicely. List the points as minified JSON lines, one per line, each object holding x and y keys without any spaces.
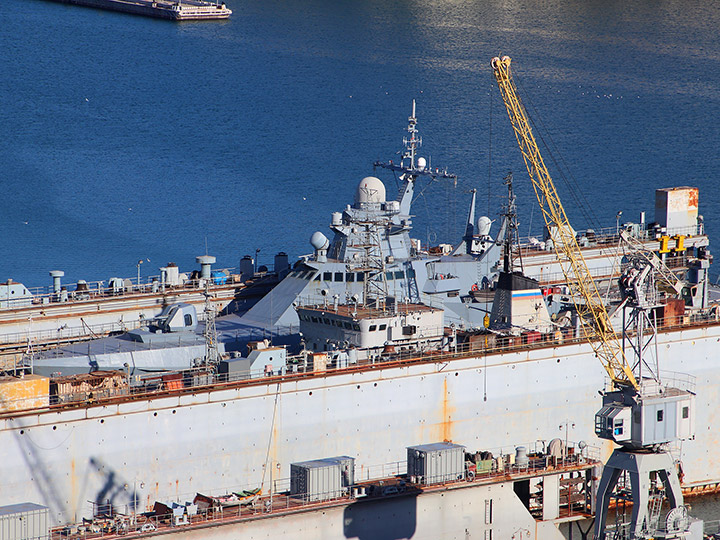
{"x":25,"y":521}
{"x":436,"y":462}
{"x":322,"y":479}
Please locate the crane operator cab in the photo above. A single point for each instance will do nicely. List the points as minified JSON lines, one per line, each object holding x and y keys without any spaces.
{"x":643,"y":420}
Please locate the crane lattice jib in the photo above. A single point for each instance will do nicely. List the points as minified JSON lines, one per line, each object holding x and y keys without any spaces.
{"x":599,"y":331}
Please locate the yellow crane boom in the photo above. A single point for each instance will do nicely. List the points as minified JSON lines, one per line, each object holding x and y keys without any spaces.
{"x":598,"y":332}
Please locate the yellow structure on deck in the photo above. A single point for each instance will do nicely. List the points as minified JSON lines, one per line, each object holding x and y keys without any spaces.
{"x":22,"y":393}
{"x":598,"y":329}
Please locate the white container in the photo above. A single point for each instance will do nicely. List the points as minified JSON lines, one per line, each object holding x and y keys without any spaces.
{"x":321,"y":479}
{"x":436,"y":462}
{"x":24,"y":521}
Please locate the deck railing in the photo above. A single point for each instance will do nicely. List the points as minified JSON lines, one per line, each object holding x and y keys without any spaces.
{"x":377,"y":482}
{"x":205,"y":378}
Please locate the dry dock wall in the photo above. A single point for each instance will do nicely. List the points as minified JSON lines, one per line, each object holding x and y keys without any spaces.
{"x":172,"y":447}
{"x":472,"y":512}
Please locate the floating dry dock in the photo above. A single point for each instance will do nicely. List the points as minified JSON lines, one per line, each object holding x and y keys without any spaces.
{"x":181,"y":10}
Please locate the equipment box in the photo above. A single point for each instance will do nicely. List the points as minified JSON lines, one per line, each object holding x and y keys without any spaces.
{"x":436,"y":463}
{"x":321,"y":479}
{"x":24,"y":521}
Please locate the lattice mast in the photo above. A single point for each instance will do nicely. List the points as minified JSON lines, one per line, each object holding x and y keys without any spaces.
{"x":212,"y":355}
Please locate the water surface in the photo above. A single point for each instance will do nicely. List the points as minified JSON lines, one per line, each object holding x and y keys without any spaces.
{"x":127,"y":138}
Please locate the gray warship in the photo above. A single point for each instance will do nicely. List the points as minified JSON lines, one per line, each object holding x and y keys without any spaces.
{"x":371,"y":241}
{"x":372,"y":250}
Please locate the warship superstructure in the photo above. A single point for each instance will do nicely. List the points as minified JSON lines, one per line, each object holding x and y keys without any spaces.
{"x":373,"y":235}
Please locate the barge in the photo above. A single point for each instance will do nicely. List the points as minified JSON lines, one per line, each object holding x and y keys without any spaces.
{"x":175,"y":10}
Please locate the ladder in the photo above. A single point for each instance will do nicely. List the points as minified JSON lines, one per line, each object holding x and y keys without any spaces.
{"x":656,"y":500}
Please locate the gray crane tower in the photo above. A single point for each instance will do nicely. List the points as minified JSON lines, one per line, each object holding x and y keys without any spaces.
{"x":644,"y":421}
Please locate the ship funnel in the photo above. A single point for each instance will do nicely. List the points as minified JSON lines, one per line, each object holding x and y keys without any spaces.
{"x":205,"y":262}
{"x":56,"y":275}
{"x":247,"y":268}
{"x":282,"y":264}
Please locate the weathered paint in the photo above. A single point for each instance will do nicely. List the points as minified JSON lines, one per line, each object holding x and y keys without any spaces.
{"x":444,"y":431}
{"x":448,"y":514}
{"x":180,"y":444}
{"x":29,"y":391}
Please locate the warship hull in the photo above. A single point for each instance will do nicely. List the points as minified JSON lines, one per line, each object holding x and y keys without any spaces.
{"x":218,"y":438}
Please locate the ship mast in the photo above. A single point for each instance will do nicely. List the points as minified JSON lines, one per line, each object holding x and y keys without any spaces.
{"x":411,"y":166}
{"x":413,"y":142}
{"x":512,"y":225}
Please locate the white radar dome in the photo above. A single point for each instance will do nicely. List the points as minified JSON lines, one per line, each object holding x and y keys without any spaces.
{"x":421,"y":163}
{"x":370,"y":190}
{"x":484,"y":224}
{"x":319,"y":241}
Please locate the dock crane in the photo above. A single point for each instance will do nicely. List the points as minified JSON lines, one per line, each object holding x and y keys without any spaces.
{"x":640,"y":414}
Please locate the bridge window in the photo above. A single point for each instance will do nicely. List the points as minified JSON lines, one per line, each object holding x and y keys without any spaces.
{"x":349,"y":277}
{"x":327,"y":276}
{"x":338,"y":276}
{"x":372,"y":328}
{"x":660,"y":416}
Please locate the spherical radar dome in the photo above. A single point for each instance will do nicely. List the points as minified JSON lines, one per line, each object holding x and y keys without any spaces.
{"x":370,"y":190}
{"x":319,"y":241}
{"x":484,"y":223}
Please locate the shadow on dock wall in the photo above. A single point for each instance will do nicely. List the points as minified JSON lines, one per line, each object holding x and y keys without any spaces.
{"x":392,"y":518}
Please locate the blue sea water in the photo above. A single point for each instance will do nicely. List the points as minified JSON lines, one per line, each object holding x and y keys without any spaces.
{"x":126,"y":138}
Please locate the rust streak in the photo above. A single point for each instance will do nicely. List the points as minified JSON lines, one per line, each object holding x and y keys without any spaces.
{"x":447,"y":413}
